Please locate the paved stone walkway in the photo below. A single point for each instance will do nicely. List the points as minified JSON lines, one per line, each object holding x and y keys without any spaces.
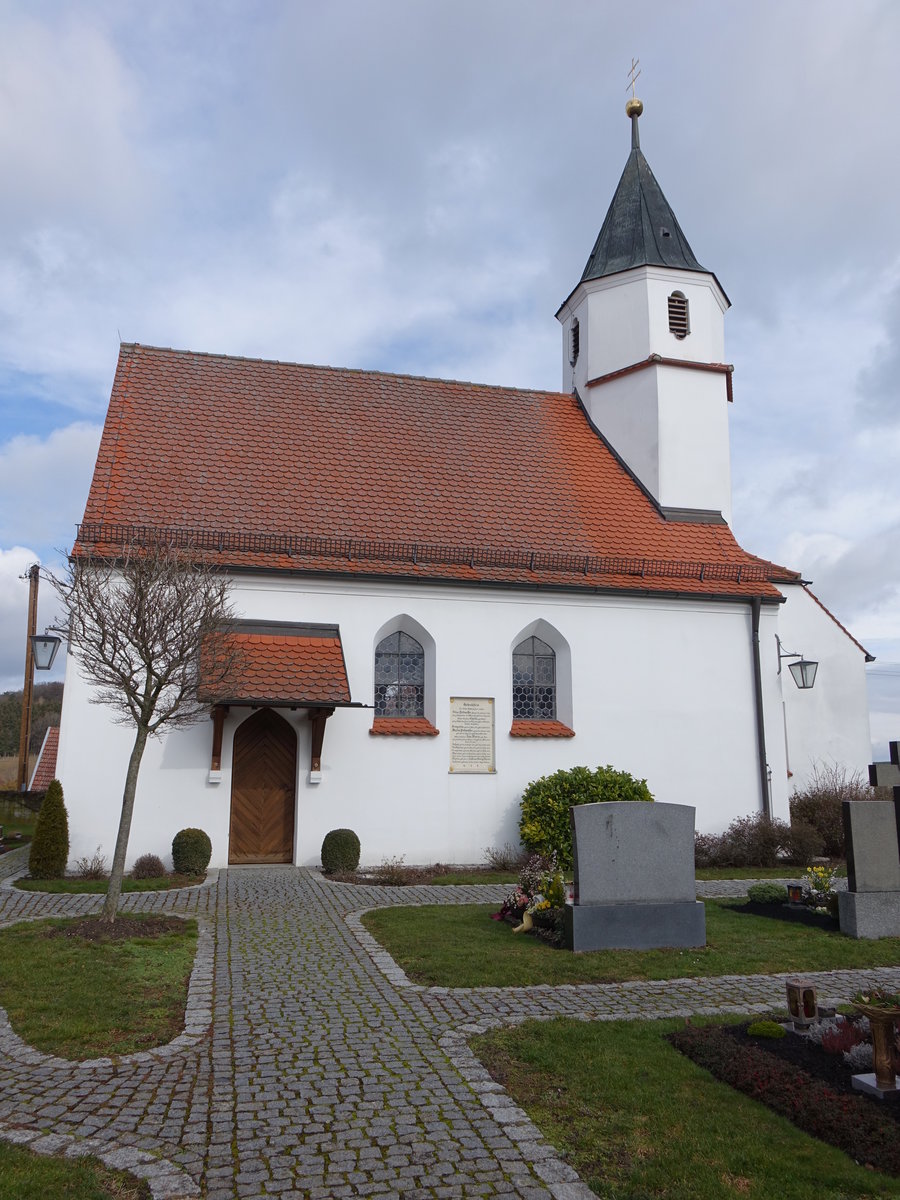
{"x":310,"y":1065}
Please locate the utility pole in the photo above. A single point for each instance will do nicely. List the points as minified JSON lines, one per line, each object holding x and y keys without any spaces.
{"x":33,"y":575}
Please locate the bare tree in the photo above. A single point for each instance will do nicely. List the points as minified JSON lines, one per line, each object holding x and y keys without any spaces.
{"x":138,"y":625}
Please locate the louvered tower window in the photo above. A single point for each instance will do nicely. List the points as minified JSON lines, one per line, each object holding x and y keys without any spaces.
{"x":399,"y":677}
{"x":534,"y":681}
{"x":575,"y":345}
{"x":679,"y":316}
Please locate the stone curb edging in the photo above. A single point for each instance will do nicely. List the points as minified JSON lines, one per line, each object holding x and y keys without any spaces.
{"x":165,"y":1180}
{"x":391,"y":970}
{"x":9,"y":881}
{"x":562,"y":1180}
{"x":197,"y":1018}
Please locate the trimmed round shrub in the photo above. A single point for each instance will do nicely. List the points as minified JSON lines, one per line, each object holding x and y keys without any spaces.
{"x":766,"y":1029}
{"x":50,"y":845}
{"x":544,"y":825}
{"x":767,"y":893}
{"x":148,"y":866}
{"x":340,"y":851}
{"x":191,"y":851}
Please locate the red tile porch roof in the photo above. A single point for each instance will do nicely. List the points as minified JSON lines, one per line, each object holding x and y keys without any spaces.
{"x":281,"y":667}
{"x":271,"y":465}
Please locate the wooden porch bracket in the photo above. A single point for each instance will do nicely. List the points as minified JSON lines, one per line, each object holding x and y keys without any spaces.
{"x":317,"y":717}
{"x":218,"y":719}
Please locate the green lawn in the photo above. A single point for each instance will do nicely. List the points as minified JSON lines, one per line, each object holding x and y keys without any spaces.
{"x":782,"y":872}
{"x":16,"y":818}
{"x":638,"y":1120}
{"x":85,"y":999}
{"x":459,"y":946}
{"x":28,"y":1176}
{"x":99,"y":886}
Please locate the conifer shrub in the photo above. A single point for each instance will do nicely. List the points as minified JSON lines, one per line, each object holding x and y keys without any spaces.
{"x":544,"y":825}
{"x":148,"y":866}
{"x":50,"y":844}
{"x":340,"y":851}
{"x":191,"y":851}
{"x":767,"y":893}
{"x":767,"y":1029}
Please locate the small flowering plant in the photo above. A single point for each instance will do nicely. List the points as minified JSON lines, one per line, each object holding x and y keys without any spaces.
{"x":540,"y":887}
{"x":820,"y":881}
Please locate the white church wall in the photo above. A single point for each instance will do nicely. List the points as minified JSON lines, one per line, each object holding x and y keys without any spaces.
{"x":828,"y":723}
{"x":626,"y":411}
{"x":661,"y":688}
{"x":694,"y":448}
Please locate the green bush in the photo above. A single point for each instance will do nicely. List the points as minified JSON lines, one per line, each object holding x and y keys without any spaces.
{"x":191,"y":851}
{"x":819,"y":803}
{"x":50,"y":844}
{"x":340,"y":851}
{"x":804,"y":843}
{"x":767,"y":893}
{"x":766,"y":1029}
{"x":544,"y":825}
{"x":148,"y":866}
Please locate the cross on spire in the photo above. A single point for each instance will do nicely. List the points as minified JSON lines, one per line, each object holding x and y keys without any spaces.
{"x":632,"y":75}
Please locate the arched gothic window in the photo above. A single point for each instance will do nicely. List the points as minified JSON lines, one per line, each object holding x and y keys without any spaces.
{"x":399,"y":677}
{"x":534,"y":681}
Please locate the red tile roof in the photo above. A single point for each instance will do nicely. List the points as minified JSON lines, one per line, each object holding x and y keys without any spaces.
{"x":403,"y":727}
{"x":274,"y":465}
{"x":540,"y":729}
{"x":282,"y":668}
{"x":45,"y":767}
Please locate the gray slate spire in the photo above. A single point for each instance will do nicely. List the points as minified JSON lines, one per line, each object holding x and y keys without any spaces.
{"x":640,"y":228}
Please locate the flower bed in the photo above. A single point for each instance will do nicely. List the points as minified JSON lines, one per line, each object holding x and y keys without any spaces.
{"x":795,"y":1077}
{"x":803,"y":915}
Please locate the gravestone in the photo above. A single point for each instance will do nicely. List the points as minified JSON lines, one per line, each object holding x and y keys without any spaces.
{"x":634,"y":878}
{"x":870,"y":908}
{"x":886,"y":774}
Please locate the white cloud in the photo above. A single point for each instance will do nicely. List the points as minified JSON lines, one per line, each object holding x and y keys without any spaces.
{"x":44,"y":484}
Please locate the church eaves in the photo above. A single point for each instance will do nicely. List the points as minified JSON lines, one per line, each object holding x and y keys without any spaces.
{"x":640,"y":228}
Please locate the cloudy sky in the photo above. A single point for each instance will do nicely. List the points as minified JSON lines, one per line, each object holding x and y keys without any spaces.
{"x":415,"y":185}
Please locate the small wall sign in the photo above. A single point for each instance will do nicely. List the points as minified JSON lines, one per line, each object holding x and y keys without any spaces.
{"x":472,"y":735}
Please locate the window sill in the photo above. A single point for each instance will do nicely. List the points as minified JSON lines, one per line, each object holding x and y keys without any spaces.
{"x":540,"y":729}
{"x":402,"y":727}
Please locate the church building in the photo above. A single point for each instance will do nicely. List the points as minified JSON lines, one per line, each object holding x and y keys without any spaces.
{"x":446,"y":590}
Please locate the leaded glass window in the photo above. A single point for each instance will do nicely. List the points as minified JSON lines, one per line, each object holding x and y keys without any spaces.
{"x":534,"y":681}
{"x":399,"y":677}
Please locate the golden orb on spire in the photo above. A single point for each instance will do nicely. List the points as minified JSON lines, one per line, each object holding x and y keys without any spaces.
{"x":634,"y":108}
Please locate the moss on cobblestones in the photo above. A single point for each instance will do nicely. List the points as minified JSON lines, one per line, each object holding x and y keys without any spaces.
{"x":461,"y":947}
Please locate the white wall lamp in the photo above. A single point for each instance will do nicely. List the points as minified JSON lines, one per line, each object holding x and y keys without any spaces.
{"x":804,"y":671}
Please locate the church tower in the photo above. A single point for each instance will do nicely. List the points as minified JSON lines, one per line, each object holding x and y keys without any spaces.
{"x":643,"y":348}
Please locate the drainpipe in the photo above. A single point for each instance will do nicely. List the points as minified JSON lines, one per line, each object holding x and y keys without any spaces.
{"x":760,"y":718}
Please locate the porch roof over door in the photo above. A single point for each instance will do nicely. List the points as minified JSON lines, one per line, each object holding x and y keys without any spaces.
{"x":280,"y":664}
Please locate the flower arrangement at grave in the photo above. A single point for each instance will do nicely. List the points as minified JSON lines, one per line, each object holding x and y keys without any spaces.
{"x":819,"y":889}
{"x":540,"y":890}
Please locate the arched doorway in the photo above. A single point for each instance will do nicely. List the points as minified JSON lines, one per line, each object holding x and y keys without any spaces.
{"x":263,"y":790}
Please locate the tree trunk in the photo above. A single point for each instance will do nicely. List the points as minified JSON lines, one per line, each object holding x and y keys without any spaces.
{"x":111,"y":903}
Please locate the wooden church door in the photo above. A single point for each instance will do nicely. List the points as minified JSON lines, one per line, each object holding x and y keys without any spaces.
{"x":263,"y":790}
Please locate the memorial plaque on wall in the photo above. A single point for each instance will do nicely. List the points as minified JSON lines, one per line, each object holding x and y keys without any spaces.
{"x":472,"y":735}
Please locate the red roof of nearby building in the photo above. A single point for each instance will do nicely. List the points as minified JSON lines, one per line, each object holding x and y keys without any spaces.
{"x":272,"y":465}
{"x":45,"y":767}
{"x":280,"y":667}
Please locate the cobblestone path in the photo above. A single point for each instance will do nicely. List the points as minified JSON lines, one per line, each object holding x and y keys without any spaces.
{"x":324,"y":1073}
